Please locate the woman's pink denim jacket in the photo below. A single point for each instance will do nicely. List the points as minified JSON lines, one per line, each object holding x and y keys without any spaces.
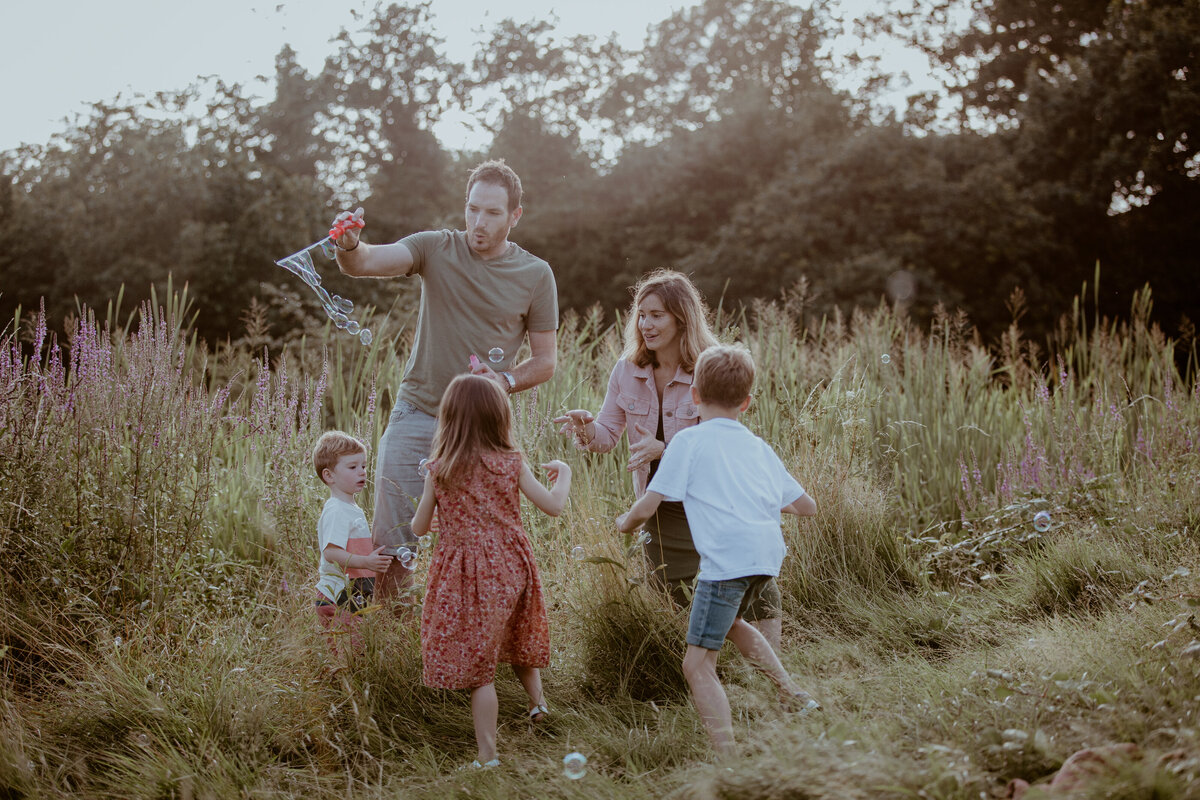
{"x":632,"y":400}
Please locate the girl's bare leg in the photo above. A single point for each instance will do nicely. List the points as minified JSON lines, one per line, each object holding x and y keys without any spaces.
{"x":531,"y":679}
{"x":484,"y":710}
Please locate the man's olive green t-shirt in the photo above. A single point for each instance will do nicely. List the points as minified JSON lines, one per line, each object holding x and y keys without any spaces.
{"x":469,"y":305}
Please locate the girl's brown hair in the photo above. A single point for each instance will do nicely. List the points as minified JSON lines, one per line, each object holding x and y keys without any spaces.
{"x":681,"y":299}
{"x":474,"y":418}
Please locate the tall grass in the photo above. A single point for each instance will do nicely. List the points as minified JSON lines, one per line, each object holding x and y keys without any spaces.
{"x":157,"y":640}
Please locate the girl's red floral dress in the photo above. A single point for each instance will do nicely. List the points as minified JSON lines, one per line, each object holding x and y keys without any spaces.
{"x":483,"y":598}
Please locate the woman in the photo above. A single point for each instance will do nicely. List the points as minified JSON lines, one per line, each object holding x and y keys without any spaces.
{"x":649,"y":397}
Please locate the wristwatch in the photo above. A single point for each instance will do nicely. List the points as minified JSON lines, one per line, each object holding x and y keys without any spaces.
{"x":510,"y":380}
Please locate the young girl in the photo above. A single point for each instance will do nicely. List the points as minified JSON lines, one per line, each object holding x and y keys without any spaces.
{"x":483,"y":598}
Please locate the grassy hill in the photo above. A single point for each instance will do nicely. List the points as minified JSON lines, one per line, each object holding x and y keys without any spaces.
{"x":157,"y":638}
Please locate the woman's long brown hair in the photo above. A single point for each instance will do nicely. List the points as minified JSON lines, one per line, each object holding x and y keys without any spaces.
{"x":681,"y":299}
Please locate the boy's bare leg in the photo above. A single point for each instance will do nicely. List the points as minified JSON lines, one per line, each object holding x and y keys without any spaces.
{"x":772,"y":631}
{"x":754,"y":648}
{"x":485,"y":709}
{"x":531,"y":679}
{"x":700,"y":669}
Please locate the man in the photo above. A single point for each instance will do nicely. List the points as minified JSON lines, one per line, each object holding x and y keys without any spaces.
{"x":480,"y":294}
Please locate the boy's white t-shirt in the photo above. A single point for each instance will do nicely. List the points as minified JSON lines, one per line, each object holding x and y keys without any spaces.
{"x":345,"y":525}
{"x":733,"y":487}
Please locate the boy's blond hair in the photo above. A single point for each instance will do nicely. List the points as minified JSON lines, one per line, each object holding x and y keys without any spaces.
{"x":332,"y":446}
{"x":724,"y":375}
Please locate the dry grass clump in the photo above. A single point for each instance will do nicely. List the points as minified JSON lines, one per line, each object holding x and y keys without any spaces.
{"x":630,"y":639}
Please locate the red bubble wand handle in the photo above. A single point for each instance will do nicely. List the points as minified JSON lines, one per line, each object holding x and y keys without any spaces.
{"x":340,"y":228}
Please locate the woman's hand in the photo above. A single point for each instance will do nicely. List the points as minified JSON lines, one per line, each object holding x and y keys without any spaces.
{"x":646,"y":450}
{"x":575,"y":423}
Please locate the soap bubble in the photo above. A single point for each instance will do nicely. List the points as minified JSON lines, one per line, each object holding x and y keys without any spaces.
{"x":901,"y":286}
{"x":577,"y":553}
{"x":574,"y":765}
{"x":885,"y":358}
{"x":425,"y":541}
{"x":300,"y":264}
{"x":1041,"y":521}
{"x":336,"y":307}
{"x":423,"y":468}
{"x":496,"y":355}
{"x":143,"y":740}
{"x":404,"y":554}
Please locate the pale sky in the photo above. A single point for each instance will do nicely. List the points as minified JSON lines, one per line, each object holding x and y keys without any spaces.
{"x":61,"y":55}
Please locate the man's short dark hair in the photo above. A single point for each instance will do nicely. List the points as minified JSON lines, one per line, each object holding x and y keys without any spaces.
{"x":497,"y":172}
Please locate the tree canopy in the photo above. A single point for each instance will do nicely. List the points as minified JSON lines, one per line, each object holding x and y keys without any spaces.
{"x":721,"y":147}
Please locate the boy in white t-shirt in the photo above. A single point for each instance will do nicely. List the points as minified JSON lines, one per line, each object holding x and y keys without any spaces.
{"x":349,"y":561}
{"x":733,"y":487}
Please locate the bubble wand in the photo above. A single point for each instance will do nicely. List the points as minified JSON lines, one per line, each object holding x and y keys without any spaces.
{"x":337,"y":308}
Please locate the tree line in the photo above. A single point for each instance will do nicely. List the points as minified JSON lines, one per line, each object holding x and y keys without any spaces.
{"x":1065,"y":138}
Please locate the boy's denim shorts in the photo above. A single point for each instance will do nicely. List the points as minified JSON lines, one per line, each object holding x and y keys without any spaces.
{"x":715,"y":606}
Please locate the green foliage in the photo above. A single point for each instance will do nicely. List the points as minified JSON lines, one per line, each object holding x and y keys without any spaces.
{"x":718,"y":146}
{"x":1006,"y":647}
{"x":144,"y":197}
{"x":1105,"y":123}
{"x":1017,"y":43}
{"x":156,"y":634}
{"x":860,"y":214}
{"x":1073,"y":575}
{"x":111,"y":458}
{"x":386,"y":87}
{"x":524,"y":73}
{"x":631,"y":639}
{"x":698,"y":62}
{"x":293,"y":144}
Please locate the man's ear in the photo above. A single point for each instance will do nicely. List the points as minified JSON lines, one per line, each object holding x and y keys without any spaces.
{"x":516,"y":215}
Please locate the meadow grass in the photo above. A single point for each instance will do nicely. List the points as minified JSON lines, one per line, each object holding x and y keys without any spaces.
{"x":157,"y":637}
